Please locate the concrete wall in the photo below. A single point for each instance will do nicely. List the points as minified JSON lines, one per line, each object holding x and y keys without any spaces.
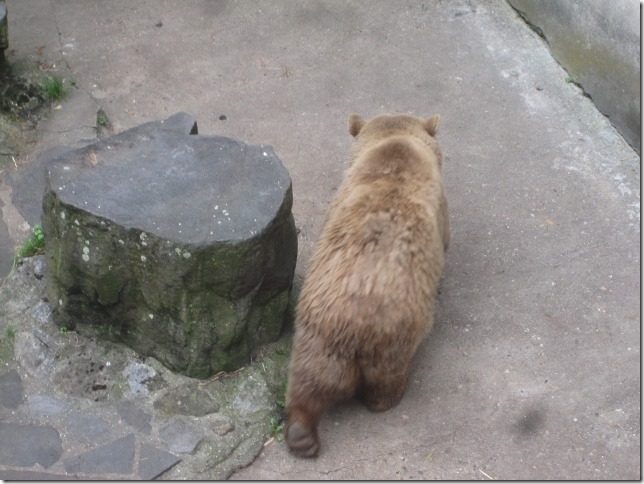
{"x":4,"y":35}
{"x":598,"y":43}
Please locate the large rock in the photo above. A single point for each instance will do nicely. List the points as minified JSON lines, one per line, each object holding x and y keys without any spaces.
{"x":182,"y":246}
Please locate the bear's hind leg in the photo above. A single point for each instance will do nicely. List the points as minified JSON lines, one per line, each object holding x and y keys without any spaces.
{"x":380,"y":396}
{"x":312,"y":388}
{"x":301,"y":432}
{"x":382,"y":385}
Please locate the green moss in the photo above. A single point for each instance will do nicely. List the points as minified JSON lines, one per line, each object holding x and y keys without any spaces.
{"x":272,"y":318}
{"x":108,"y":286}
{"x":274,"y":366}
{"x":221,"y":269}
{"x":226,"y":321}
{"x":193,"y":313}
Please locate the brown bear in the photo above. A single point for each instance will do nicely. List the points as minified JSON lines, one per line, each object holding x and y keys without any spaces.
{"x":368,"y":296}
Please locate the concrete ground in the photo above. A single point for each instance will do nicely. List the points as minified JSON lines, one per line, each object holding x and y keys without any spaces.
{"x":533,"y":368}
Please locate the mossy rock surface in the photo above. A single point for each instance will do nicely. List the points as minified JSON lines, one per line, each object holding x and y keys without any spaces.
{"x":179,"y":245}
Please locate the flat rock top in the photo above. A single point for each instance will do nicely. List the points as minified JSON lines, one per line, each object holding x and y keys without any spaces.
{"x":186,"y":188}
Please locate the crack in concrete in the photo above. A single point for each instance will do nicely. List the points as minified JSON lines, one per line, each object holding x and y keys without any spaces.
{"x":60,"y":35}
{"x":67,"y":64}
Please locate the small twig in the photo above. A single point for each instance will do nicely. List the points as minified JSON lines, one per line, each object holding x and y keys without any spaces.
{"x":490,"y":478}
{"x":212,"y":378}
{"x":269,"y":441}
{"x":217,"y":375}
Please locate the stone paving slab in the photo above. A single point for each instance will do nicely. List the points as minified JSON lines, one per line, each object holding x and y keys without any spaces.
{"x":37,"y":444}
{"x":26,"y":445}
{"x":11,"y":390}
{"x":75,"y":408}
{"x":114,"y":458}
{"x":20,"y":475}
{"x":86,"y":428}
{"x":154,"y":461}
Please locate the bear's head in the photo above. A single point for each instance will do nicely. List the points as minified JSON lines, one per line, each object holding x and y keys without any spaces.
{"x":393,"y":123}
{"x":381,"y":127}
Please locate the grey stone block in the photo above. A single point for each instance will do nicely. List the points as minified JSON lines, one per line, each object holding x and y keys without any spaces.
{"x":114,"y":458}
{"x":134,"y":416}
{"x":26,"y":445}
{"x":182,"y":247}
{"x":181,"y":435}
{"x":86,"y":428}
{"x":153,"y":462}
{"x":46,"y":406}
{"x":86,"y":377}
{"x":31,"y":352}
{"x":14,"y":475}
{"x":252,"y":394}
{"x":141,"y":378}
{"x":11,"y":390}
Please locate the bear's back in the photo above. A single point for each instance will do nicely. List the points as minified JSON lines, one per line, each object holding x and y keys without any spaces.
{"x":379,"y":258}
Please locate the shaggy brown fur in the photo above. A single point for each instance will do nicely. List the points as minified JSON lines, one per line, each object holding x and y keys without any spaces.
{"x":368,"y":296}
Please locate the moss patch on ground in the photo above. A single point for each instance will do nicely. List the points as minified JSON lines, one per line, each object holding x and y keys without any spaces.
{"x":27,"y":94}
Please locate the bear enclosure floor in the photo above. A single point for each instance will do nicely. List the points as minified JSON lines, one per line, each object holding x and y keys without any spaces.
{"x":532,"y":370}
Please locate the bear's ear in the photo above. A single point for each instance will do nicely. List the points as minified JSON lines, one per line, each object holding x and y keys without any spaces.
{"x":355,"y":124}
{"x":431,"y":124}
